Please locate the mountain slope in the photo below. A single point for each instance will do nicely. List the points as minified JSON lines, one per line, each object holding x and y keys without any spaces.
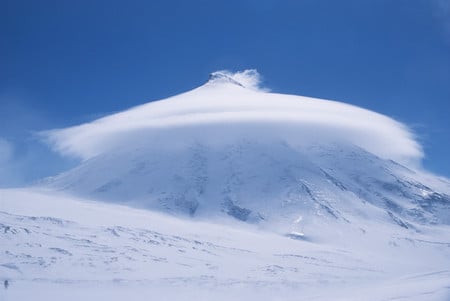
{"x":227,"y":192}
{"x":230,"y":148}
{"x":273,"y":184}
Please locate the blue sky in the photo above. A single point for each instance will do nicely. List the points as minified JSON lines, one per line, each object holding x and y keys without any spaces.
{"x":66,"y":62}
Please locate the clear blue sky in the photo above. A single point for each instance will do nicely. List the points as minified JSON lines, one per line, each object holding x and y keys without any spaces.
{"x":65,"y":62}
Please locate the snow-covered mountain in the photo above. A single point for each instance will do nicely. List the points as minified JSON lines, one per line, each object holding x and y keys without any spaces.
{"x":229,"y":148}
{"x":235,"y":192}
{"x":263,"y":183}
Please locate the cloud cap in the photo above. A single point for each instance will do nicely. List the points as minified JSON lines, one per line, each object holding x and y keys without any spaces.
{"x":234,"y":106}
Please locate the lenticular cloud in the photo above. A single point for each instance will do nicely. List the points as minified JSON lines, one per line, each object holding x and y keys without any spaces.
{"x":233,"y":106}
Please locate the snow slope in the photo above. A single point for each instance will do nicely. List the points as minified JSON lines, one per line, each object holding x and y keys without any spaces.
{"x":58,"y":247}
{"x":231,"y":192}
{"x":267,"y":183}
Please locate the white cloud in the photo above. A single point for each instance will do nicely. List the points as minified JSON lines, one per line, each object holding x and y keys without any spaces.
{"x":223,"y":110}
{"x":6,"y":151}
{"x":442,"y":13}
{"x":8,"y":171}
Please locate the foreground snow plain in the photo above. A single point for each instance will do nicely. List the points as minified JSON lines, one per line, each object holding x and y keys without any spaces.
{"x":55,"y":246}
{"x":228,"y":192}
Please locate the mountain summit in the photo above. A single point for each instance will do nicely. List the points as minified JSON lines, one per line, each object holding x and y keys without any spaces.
{"x":249,"y":79}
{"x":231,"y":149}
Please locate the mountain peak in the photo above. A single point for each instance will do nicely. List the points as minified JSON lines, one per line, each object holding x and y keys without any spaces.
{"x":249,"y":78}
{"x":222,"y":77}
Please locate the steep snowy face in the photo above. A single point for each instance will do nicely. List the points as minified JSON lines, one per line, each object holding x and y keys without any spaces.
{"x":229,"y":148}
{"x":297,"y":189}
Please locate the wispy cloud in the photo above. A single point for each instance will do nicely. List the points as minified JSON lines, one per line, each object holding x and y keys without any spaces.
{"x":442,"y":13}
{"x":23,"y":157}
{"x":8,"y":171}
{"x":249,"y":79}
{"x":6,"y":151}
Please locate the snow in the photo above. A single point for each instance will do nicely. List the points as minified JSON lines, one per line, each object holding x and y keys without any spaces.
{"x":270,"y":183}
{"x":229,"y":192}
{"x":55,"y":245}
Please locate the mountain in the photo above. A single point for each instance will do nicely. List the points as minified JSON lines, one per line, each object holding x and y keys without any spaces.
{"x":227,"y":192}
{"x":263,"y":183}
{"x":230,"y":148}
